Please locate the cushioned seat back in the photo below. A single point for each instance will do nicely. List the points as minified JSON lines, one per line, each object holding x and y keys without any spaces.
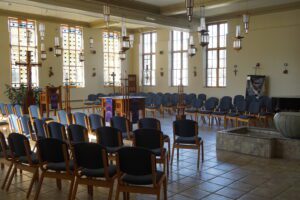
{"x":2,"y":142}
{"x":238,"y":98}
{"x":18,"y":109}
{"x":225,"y":104}
{"x":16,"y":144}
{"x":175,"y":99}
{"x":76,"y":133}
{"x":80,"y":118}
{"x":241,"y":106}
{"x":56,"y":130}
{"x":63,"y":117}
{"x":157,"y":100}
{"x":34,"y":110}
{"x":148,"y":138}
{"x":135,"y":161}
{"x":185,"y":128}
{"x":202,"y":97}
{"x":211,"y":103}
{"x":197,"y":103}
{"x":254,"y":107}
{"x":25,"y":125}
{"x":10,"y":109}
{"x":109,"y":137}
{"x":96,"y":121}
{"x":13,"y":121}
{"x":149,"y":123}
{"x":3,"y":109}
{"x":189,"y":98}
{"x":38,"y":125}
{"x":266,"y":104}
{"x":51,"y":150}
{"x":89,"y":155}
{"x":166,"y":99}
{"x":119,"y":123}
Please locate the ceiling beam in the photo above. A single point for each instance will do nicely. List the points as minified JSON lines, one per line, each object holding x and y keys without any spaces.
{"x":132,"y":15}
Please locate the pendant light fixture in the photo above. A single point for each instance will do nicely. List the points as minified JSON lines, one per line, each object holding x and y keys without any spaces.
{"x":189,"y":4}
{"x":202,"y":30}
{"x":246,"y":22}
{"x":192,"y":48}
{"x":57,"y":48}
{"x":42,"y":35}
{"x":106,"y":13}
{"x":122,"y":55}
{"x":237,"y":43}
{"x":125,"y":40}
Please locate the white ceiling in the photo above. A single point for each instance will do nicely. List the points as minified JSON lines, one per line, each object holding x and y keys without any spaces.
{"x":161,"y":3}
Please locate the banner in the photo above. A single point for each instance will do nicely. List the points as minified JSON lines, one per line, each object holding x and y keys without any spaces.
{"x":256,"y":86}
{"x":108,"y":109}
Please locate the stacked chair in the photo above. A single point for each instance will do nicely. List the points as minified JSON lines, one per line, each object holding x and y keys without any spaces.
{"x":208,"y":108}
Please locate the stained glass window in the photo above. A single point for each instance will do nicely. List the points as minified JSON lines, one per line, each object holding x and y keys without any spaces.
{"x":112,"y":64}
{"x":72,"y":44}
{"x":19,"y":45}
{"x":149,"y":58}
{"x":179,"y":66}
{"x":216,"y":55}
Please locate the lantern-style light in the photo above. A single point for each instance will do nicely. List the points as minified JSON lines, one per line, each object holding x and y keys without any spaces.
{"x":131,"y":40}
{"x":81,"y":56}
{"x":202,"y":30}
{"x":42,"y":31}
{"x":125,"y":43}
{"x":189,"y":4}
{"x":57,"y":48}
{"x":122,"y":55}
{"x":91,"y":42}
{"x":43,"y":52}
{"x":246,"y":22}
{"x":237,"y":43}
{"x":192,"y":48}
{"x":106,"y":13}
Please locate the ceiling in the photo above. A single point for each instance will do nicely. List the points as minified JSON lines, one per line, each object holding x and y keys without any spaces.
{"x":142,"y":13}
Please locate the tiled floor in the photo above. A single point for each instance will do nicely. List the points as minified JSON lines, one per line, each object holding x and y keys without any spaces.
{"x":223,"y":175}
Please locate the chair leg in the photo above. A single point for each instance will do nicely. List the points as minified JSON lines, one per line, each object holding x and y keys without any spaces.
{"x":31,"y":182}
{"x":7,"y":175}
{"x":177,"y":154}
{"x":198,"y":159}
{"x":173,"y":148}
{"x":111,"y":188}
{"x":117,"y":192}
{"x":71,"y":188}
{"x":169,"y":148}
{"x":58,"y":183}
{"x":165,"y":189}
{"x":2,"y":166}
{"x":90,"y":190}
{"x":75,"y":189}
{"x":158,"y":194}
{"x":39,"y":186}
{"x":202,"y":150}
{"x":11,"y":178}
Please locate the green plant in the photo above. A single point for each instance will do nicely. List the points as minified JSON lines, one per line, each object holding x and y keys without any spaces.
{"x":16,"y":95}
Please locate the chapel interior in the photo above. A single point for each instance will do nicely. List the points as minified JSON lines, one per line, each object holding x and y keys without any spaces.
{"x":150,"y":99}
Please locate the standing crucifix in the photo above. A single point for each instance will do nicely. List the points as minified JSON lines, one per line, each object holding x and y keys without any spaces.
{"x":29,"y":98}
{"x":114,"y":77}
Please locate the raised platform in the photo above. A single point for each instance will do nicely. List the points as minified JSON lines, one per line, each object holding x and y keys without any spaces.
{"x":260,"y":142}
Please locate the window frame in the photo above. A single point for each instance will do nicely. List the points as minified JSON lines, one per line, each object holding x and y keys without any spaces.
{"x":181,"y":51}
{"x":151,"y":54}
{"x":218,"y":49}
{"x":19,"y":46}
{"x":77,"y":52}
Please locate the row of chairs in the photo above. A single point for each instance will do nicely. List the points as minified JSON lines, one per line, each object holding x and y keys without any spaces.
{"x":82,"y":163}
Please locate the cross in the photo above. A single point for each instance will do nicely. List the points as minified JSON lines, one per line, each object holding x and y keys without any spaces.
{"x":29,"y":99}
{"x":113,"y":77}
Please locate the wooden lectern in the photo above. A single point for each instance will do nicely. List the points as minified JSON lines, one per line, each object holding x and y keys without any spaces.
{"x":51,"y":97}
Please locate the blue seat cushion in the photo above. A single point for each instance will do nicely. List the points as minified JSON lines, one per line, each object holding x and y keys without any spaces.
{"x":219,"y":113}
{"x":112,"y":170}
{"x":232,"y":114}
{"x":34,"y":159}
{"x":205,"y":111}
{"x":141,"y":180}
{"x":187,"y":140}
{"x":266,"y":114}
{"x":60,"y":166}
{"x":191,"y":110}
{"x":246,"y":117}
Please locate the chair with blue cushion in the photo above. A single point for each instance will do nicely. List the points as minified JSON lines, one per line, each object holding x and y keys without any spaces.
{"x":26,"y":128}
{"x":152,"y":123}
{"x":10,"y":109}
{"x":18,"y":110}
{"x":34,"y":113}
{"x":167,"y":104}
{"x":202,"y":97}
{"x":5,"y":158}
{"x":39,"y":128}
{"x":63,"y":117}
{"x":23,"y":158}
{"x":189,"y":99}
{"x":253,"y":110}
{"x":80,"y":119}
{"x":266,"y":114}
{"x":139,"y":177}
{"x":111,"y":138}
{"x":92,"y":168}
{"x":55,"y":163}
{"x":208,"y":108}
{"x":95,"y":121}
{"x":14,"y":123}
{"x":77,"y":134}
{"x":3,"y":110}
{"x":155,"y":105}
{"x":152,"y":139}
{"x":222,"y":110}
{"x":185,"y":134}
{"x":239,"y":109}
{"x":194,"y":109}
{"x":123,"y":124}
{"x":56,"y":130}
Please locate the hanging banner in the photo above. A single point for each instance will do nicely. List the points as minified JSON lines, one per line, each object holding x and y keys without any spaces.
{"x":256,"y":86}
{"x":108,"y":109}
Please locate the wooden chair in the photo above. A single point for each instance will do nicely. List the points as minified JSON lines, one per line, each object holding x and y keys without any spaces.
{"x":18,"y":110}
{"x":154,"y":124}
{"x":23,"y":158}
{"x":92,"y":168}
{"x":111,"y":138}
{"x":5,"y":158}
{"x":14,"y":123}
{"x":63,"y":118}
{"x":123,"y":124}
{"x":95,"y":121}
{"x":134,"y":176}
{"x":39,"y":128}
{"x":185,"y":134}
{"x":209,"y":108}
{"x":155,"y":105}
{"x":152,"y":139}
{"x":56,"y":130}
{"x":77,"y":134}
{"x":80,"y":119}
{"x":251,"y":117}
{"x":55,"y":163}
{"x":224,"y":107}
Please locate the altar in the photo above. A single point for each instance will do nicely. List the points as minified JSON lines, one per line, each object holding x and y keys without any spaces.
{"x":119,"y":105}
